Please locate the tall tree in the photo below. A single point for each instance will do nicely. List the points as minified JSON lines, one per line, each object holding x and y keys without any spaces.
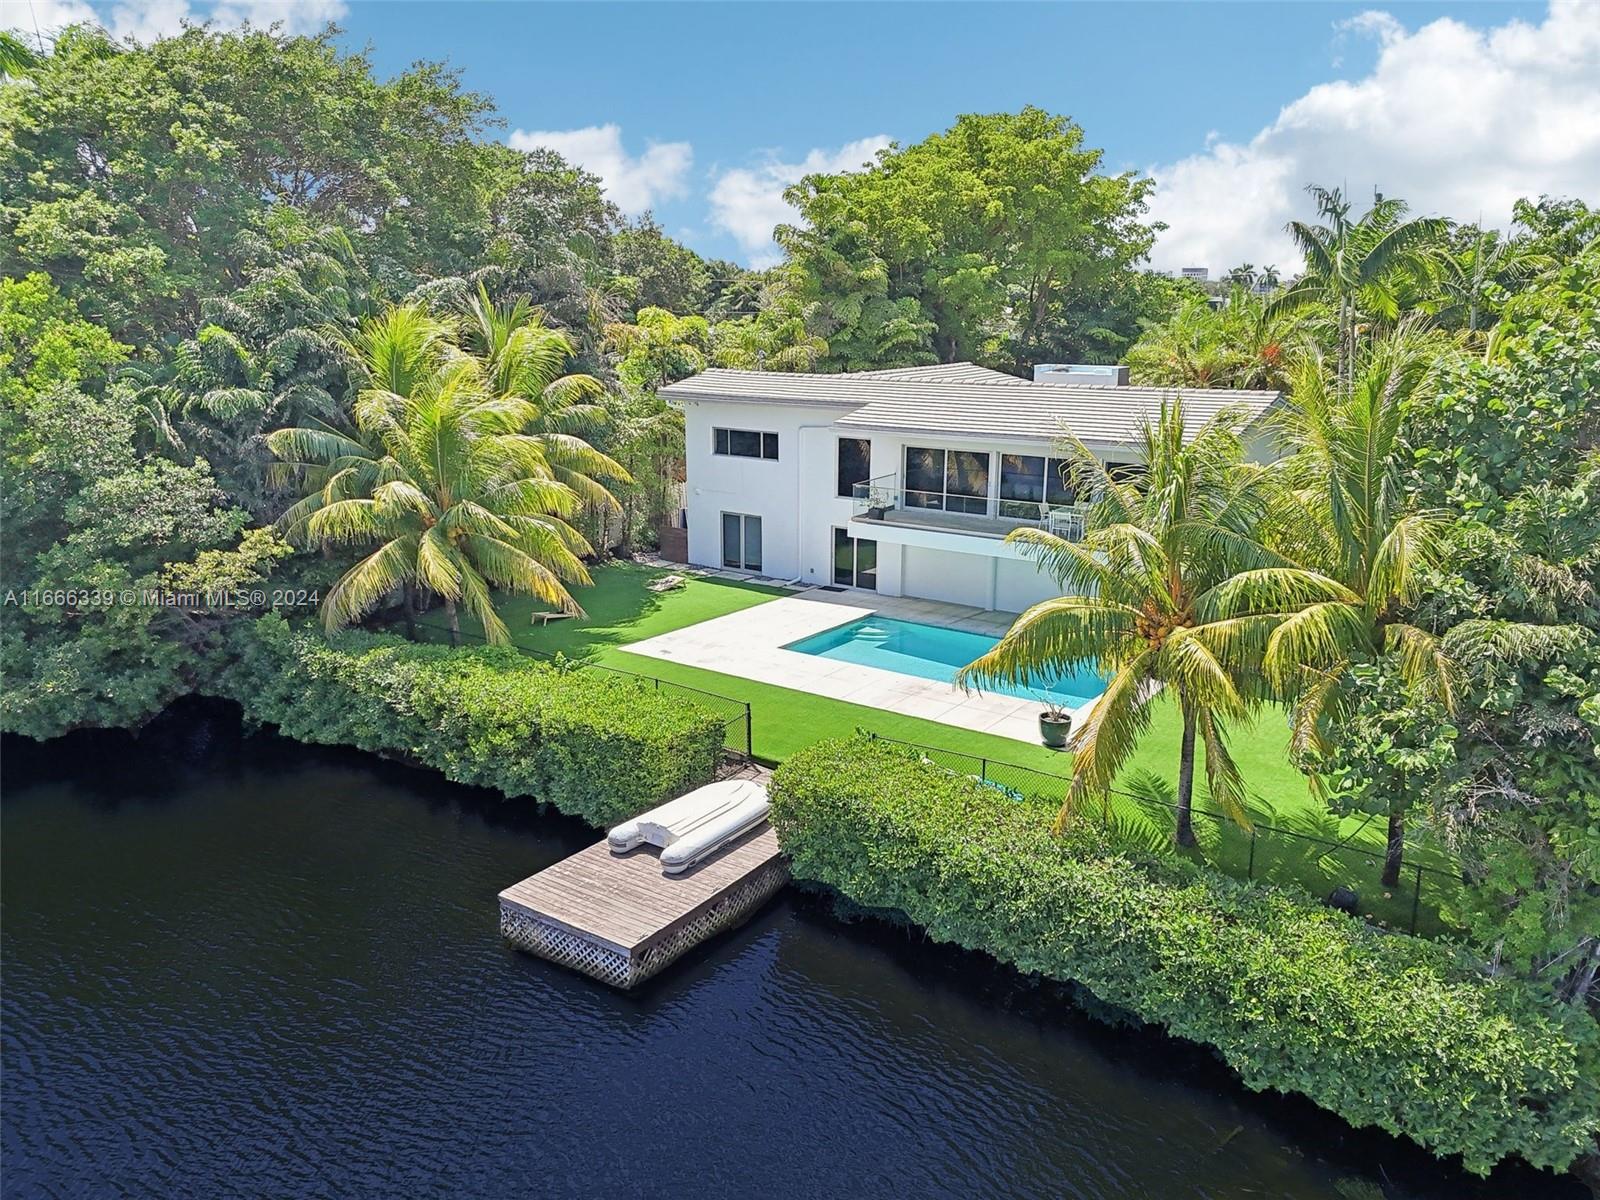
{"x":129,"y":172}
{"x":1139,"y":588}
{"x":519,"y":358}
{"x":1505,"y":442}
{"x":986,"y":229}
{"x":441,"y":477}
{"x":667,"y":275}
{"x":1361,"y":558}
{"x":1358,"y":267}
{"x":265,"y":355}
{"x":1477,"y":271}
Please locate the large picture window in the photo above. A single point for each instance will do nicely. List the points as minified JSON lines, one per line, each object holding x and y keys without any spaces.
{"x":1026,"y":480}
{"x":745,"y":443}
{"x":855,"y":464}
{"x":954,"y":480}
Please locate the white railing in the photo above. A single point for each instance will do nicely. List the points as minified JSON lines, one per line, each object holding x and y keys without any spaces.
{"x":876,"y":499}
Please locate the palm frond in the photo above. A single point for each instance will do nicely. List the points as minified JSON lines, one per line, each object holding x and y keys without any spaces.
{"x":1102,"y":745}
{"x":360,"y":589}
{"x":1052,"y":638}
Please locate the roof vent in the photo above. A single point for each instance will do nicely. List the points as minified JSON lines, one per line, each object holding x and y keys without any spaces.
{"x":1081,"y":375}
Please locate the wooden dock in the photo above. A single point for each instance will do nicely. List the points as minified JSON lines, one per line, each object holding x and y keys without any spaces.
{"x":618,"y":919}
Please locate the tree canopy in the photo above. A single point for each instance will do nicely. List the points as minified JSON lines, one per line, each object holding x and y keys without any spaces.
{"x":972,"y":244}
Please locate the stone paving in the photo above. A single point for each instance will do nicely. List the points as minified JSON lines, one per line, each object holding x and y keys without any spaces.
{"x":749,"y":644}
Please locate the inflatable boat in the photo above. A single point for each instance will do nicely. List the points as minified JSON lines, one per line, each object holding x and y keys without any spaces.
{"x":695,"y":826}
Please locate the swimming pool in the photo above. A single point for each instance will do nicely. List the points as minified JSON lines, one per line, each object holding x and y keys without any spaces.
{"x":934,"y":652}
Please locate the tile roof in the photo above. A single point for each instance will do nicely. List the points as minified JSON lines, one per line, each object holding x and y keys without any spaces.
{"x":962,"y":399}
{"x":961,"y":372}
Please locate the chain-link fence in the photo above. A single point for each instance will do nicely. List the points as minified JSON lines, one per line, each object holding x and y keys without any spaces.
{"x":1293,"y":846}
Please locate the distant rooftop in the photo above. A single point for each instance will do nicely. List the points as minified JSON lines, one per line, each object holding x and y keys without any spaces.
{"x":963,"y":399}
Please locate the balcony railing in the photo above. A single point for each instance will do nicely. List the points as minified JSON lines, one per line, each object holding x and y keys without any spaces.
{"x":883,"y":499}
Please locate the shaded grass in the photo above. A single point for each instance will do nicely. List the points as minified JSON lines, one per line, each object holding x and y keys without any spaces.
{"x":621,"y":610}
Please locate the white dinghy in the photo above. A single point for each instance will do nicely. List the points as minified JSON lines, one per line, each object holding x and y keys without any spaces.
{"x":694,"y":826}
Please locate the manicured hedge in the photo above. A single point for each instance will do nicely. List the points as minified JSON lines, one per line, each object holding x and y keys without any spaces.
{"x":599,"y":746}
{"x":1382,"y":1029}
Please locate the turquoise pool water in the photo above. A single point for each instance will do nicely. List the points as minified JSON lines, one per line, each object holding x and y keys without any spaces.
{"x":934,"y":652}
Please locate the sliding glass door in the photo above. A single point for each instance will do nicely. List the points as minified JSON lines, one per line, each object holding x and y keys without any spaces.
{"x":741,"y":541}
{"x":855,"y":560}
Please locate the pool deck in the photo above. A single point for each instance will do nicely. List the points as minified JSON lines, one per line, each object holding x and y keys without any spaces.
{"x":617,"y":918}
{"x":749,"y":644}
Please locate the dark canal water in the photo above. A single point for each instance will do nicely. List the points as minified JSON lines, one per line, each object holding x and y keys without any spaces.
{"x":244,"y":967}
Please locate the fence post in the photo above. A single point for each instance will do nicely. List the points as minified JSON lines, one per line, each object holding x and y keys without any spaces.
{"x":749,"y":734}
{"x":983,"y":769}
{"x":1250,"y":871}
{"x":1416,"y":901}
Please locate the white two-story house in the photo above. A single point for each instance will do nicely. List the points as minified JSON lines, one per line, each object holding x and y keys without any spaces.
{"x":906,"y":481}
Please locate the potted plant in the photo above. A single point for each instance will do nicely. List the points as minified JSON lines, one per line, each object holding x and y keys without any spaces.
{"x":1055,"y":723}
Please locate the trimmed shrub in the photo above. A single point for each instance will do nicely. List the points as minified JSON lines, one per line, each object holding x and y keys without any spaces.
{"x":598,"y":746}
{"x":1381,"y":1029}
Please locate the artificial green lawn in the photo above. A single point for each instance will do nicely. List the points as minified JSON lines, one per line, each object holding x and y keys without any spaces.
{"x":620,"y":610}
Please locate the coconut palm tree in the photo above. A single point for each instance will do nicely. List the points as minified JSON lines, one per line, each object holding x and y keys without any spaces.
{"x":440,"y":476}
{"x":1270,"y":278}
{"x":1136,"y":588}
{"x":1361,"y":556}
{"x":1358,"y":267}
{"x":520,"y":358}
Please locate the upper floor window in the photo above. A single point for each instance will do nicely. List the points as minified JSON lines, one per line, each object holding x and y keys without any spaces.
{"x":1134,"y":473}
{"x":745,"y":443}
{"x":1026,"y":480}
{"x":855,"y":463}
{"x":954,"y":480}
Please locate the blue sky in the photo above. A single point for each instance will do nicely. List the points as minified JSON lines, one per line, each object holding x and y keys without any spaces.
{"x":704,"y":111}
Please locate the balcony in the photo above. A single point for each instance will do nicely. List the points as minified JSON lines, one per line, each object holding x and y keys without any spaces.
{"x":882,"y":501}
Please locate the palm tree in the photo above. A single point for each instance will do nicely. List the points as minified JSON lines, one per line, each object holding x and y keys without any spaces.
{"x":1466,"y":279}
{"x":266,"y":355}
{"x":520,"y":358}
{"x":1363,"y":555}
{"x":1244,"y":275}
{"x":1239,"y":345}
{"x":1357,"y":267}
{"x":1270,"y":278}
{"x":17,"y":61}
{"x":1136,"y":588}
{"x":440,"y":475}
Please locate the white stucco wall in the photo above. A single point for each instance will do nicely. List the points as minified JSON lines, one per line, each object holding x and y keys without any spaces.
{"x":941,"y":575}
{"x":796,"y":499}
{"x":801,"y":481}
{"x":1020,"y":585}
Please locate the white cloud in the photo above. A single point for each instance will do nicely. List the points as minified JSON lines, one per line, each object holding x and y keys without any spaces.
{"x":296,"y":16}
{"x":148,"y":20}
{"x":43,"y":17}
{"x":1459,"y":122}
{"x":633,"y":183}
{"x":748,"y":202}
